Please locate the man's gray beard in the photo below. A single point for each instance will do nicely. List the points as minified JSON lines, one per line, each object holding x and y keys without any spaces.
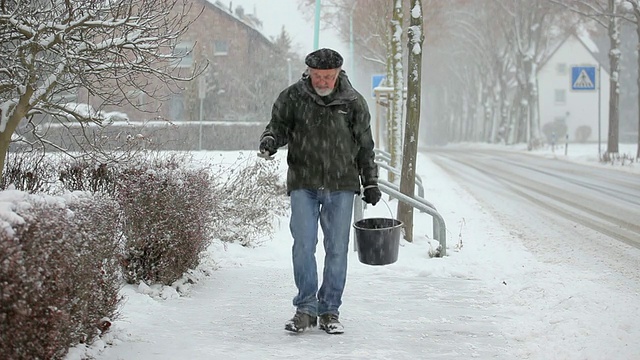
{"x":323,"y":92}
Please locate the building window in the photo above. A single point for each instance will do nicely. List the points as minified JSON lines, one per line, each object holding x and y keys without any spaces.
{"x":561,"y":96}
{"x":184,"y":54}
{"x":220,"y":48}
{"x":561,"y":68}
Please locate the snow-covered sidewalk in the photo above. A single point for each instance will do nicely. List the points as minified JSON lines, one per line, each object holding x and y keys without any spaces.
{"x":489,"y":299}
{"x":389,"y":312}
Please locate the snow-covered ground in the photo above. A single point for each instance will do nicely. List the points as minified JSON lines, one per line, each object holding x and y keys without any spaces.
{"x":490,"y":298}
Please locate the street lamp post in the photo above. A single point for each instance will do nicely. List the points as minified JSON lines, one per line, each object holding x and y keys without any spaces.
{"x":316,"y":35}
{"x":351,"y":67}
{"x":202,"y":93}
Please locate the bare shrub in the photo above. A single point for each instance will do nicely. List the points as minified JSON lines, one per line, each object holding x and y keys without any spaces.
{"x":34,"y":172}
{"x":167,"y":218}
{"x":84,"y":175}
{"x":582,"y":133}
{"x":28,"y":171}
{"x":554,"y":131}
{"x":247,"y":201}
{"x":617,"y":158}
{"x":56,"y":278}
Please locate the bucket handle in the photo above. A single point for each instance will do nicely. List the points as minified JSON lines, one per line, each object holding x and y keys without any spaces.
{"x":385,"y":203}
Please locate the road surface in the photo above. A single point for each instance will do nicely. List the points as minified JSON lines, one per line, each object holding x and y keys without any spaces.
{"x":564,"y":211}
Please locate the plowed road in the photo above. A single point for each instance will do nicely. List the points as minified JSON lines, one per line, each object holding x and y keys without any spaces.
{"x":582,"y":215}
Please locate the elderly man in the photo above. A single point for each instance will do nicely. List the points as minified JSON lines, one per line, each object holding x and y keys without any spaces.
{"x":325,"y":123}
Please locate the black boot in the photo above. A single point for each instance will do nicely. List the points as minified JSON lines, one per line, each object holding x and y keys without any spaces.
{"x":300,"y":322}
{"x":331,"y":324}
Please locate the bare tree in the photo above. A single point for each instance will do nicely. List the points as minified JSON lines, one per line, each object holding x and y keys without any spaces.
{"x":394,"y":138}
{"x":472,"y":30}
{"x":491,"y":51}
{"x":475,"y":52}
{"x":366,"y":22}
{"x":635,"y":10}
{"x":497,"y":62}
{"x":531,"y":34}
{"x":614,"y":92}
{"x":102,"y":50}
{"x":605,"y":13}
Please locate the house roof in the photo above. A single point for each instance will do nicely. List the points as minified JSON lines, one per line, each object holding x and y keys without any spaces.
{"x":583,"y":39}
{"x":217,"y":4}
{"x":588,"y":42}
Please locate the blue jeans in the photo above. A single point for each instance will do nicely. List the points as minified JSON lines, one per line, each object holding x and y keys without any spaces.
{"x":333,"y":209}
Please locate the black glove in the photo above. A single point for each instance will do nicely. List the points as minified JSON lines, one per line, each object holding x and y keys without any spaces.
{"x":268,"y":145}
{"x":372,"y":194}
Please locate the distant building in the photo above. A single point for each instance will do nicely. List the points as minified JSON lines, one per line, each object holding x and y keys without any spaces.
{"x":226,"y":107}
{"x":236,"y":85}
{"x":568,"y":92}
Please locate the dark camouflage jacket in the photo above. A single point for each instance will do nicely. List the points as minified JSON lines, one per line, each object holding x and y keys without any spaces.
{"x":329,"y":138}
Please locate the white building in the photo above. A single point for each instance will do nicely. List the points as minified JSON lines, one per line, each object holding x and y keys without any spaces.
{"x":569,"y":83}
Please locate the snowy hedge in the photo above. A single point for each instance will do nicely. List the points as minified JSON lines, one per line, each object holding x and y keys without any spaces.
{"x":64,"y":257}
{"x":168,"y":211}
{"x":59,"y":271}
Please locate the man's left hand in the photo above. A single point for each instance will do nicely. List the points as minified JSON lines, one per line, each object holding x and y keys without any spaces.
{"x":372,"y":194}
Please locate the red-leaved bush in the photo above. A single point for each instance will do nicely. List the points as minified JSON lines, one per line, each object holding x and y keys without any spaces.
{"x":168,"y":211}
{"x":63,"y":259}
{"x":59,"y":278}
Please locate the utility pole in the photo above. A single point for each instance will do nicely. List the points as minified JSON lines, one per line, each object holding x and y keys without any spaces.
{"x":599,"y":112}
{"x":351,"y":55}
{"x":316,"y":34}
{"x":202,"y":93}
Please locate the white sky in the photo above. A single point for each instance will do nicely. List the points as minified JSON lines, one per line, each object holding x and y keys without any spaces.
{"x":490,"y":299}
{"x":276,"y":13}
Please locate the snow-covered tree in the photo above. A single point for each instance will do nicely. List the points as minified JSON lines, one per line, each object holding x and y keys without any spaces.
{"x":531,"y":32}
{"x":613,"y":27}
{"x":364,"y":21}
{"x":606,"y":14}
{"x":633,"y":6}
{"x":101,"y":50}
{"x":471,"y":68}
{"x":480,"y":35}
{"x":487,"y":56}
{"x":396,"y":103}
{"x":412,"y":126}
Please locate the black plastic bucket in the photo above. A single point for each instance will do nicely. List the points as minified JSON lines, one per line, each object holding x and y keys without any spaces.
{"x":378,"y":240}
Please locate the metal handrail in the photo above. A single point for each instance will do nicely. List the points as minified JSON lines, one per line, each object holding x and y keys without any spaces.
{"x":399,"y":173}
{"x":439,"y":228}
{"x":396,"y":188}
{"x":383,"y":155}
{"x":386,"y":157}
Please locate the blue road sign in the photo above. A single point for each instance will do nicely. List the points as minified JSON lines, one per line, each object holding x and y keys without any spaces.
{"x":583,"y":78}
{"x":376,"y":80}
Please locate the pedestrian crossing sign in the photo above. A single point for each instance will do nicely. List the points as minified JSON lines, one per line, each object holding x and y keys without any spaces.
{"x":583,"y":78}
{"x":377,"y":80}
